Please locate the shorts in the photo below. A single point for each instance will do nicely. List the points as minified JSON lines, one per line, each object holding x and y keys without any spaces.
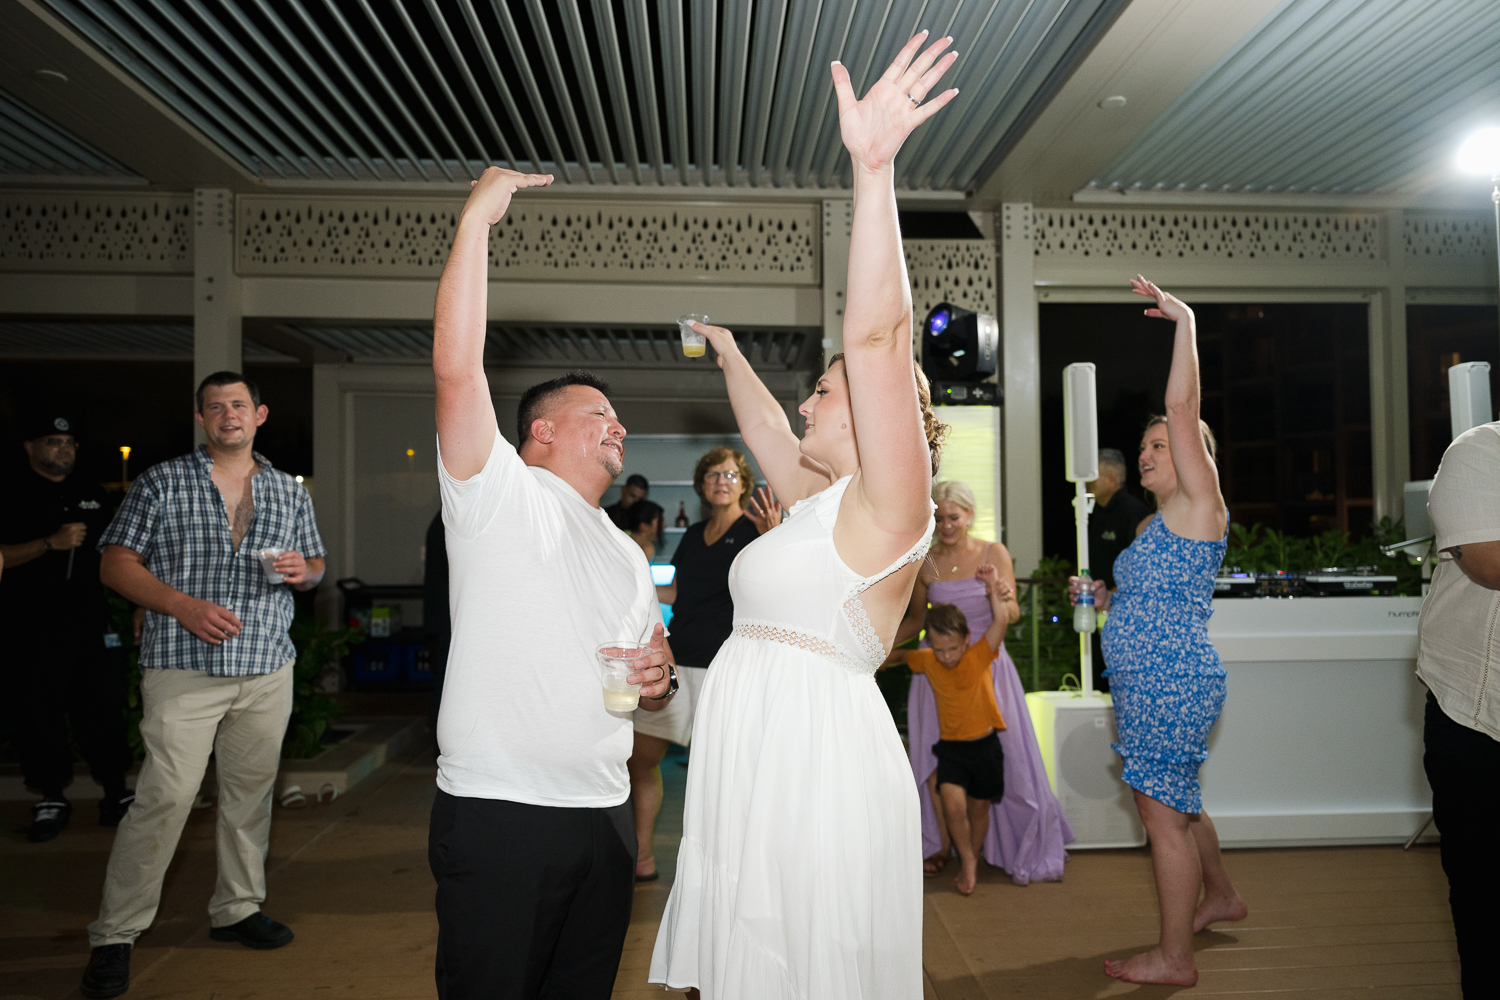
{"x":976,"y":766}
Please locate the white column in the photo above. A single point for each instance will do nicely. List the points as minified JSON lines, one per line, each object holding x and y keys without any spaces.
{"x":1022,"y":469}
{"x":216,"y":288}
{"x":1389,"y":415}
{"x":838,"y":222}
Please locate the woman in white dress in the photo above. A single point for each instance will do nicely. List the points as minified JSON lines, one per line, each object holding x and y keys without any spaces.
{"x":799,"y":874}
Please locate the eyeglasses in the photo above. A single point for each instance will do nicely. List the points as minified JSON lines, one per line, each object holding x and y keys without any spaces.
{"x":59,"y":442}
{"x":725,"y":477}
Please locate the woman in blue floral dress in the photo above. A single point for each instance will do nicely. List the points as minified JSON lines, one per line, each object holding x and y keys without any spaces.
{"x":1165,"y":676}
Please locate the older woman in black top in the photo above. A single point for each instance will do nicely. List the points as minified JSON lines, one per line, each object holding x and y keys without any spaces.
{"x":702,"y":618}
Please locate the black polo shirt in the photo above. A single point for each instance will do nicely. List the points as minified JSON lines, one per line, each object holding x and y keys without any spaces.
{"x":33,"y":507}
{"x":703,"y":615}
{"x":1111,"y":530}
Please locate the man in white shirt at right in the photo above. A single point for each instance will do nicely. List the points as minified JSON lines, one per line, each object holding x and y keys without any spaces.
{"x":1459,"y":661}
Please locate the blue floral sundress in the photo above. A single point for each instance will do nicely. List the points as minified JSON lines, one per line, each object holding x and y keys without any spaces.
{"x":1165,"y":676}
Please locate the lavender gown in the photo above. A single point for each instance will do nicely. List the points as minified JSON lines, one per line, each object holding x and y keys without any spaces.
{"x":1027,"y":827}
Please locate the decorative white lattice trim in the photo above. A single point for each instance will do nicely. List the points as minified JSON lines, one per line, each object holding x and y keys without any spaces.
{"x":960,"y":272}
{"x":1062,"y":234}
{"x":552,"y":240}
{"x":1448,"y":236}
{"x":120,"y":232}
{"x":787,"y":635}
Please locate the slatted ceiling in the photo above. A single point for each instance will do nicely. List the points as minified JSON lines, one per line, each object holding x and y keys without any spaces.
{"x":597,"y":92}
{"x":784,"y":349}
{"x":113,"y":341}
{"x":33,"y":146}
{"x":1347,"y":96}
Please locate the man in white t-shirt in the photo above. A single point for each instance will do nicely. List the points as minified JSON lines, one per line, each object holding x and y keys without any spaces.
{"x":1459,"y":660}
{"x":532,"y":839}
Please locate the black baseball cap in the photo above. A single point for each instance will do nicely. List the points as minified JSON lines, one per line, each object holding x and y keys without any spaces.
{"x":46,"y":423}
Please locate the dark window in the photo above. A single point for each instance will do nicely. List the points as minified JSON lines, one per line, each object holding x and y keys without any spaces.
{"x":1437,"y":338}
{"x":1286,"y":389}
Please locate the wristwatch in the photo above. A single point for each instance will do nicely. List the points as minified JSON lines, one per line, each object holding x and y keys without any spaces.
{"x":672,"y":673}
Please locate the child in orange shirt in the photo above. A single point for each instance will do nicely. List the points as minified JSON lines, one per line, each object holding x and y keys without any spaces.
{"x":971,"y":765}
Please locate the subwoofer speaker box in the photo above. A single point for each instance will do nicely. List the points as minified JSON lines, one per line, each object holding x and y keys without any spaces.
{"x":1075,"y":732}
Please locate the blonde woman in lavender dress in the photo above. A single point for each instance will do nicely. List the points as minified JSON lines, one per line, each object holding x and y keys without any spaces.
{"x":799,"y":873}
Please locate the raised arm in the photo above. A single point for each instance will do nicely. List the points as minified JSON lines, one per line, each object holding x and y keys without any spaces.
{"x":1000,"y":594}
{"x":895,"y":466}
{"x":1196,"y":504}
{"x":764,"y":424}
{"x":465,"y":413}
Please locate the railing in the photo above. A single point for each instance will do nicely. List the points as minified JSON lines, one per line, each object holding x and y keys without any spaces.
{"x":1061,"y":646}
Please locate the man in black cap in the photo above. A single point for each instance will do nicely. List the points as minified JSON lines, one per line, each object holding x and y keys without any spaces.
{"x":66,"y":664}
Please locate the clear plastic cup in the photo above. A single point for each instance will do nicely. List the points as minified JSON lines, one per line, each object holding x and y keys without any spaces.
{"x":268,"y":559}
{"x":616,"y":658}
{"x":694,"y":344}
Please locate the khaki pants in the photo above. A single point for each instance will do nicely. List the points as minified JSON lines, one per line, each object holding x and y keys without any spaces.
{"x":189,"y":714}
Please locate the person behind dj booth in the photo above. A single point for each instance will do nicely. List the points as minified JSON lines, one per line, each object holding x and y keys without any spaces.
{"x":1112,"y":526}
{"x":636,"y":487}
{"x":65,"y":661}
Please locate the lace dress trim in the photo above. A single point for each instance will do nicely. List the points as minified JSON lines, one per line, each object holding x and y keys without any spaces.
{"x":854,"y":608}
{"x":772,"y":632}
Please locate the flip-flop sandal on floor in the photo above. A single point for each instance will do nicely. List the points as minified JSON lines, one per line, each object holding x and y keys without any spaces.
{"x":327,"y":794}
{"x":933,"y":866}
{"x":292,"y":797}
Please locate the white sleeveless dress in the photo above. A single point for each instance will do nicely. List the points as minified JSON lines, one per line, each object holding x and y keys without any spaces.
{"x":800,"y":870}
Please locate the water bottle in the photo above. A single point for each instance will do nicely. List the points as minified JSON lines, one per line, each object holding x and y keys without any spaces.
{"x":1084,"y":619}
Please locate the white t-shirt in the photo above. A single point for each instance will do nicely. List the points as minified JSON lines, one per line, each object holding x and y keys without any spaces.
{"x":1458,"y":656}
{"x":539,"y":580}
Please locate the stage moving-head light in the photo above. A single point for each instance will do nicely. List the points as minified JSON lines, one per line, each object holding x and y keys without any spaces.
{"x":959,"y":349}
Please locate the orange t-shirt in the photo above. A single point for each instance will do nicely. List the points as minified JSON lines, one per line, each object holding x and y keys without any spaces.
{"x":965,"y":692}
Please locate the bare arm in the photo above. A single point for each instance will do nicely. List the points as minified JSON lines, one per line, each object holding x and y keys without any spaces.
{"x":69,"y":536}
{"x":1480,"y":562}
{"x":895,"y":467}
{"x":465,"y":414}
{"x":1197,"y":505}
{"x":124,"y":571}
{"x":999,"y":594}
{"x":764,"y":424}
{"x":916,"y":611}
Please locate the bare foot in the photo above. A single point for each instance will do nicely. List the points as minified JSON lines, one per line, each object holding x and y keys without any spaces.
{"x":1216,"y":908}
{"x":936,"y":863}
{"x":1154,"y":967}
{"x":968,"y":877}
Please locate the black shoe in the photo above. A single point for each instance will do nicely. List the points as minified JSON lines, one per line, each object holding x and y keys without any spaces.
{"x":255,"y":931}
{"x":112,"y":808}
{"x":48,"y":817}
{"x":108,"y":974}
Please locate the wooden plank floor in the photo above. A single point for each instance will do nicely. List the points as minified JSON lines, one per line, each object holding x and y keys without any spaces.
{"x":352,"y":880}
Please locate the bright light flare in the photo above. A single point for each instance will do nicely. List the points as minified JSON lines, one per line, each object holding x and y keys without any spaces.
{"x":1480,"y":153}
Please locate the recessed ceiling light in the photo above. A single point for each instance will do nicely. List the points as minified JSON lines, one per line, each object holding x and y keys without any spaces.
{"x":52,"y":76}
{"x":1113,"y":101}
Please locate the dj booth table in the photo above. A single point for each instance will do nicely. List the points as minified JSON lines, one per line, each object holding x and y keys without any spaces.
{"x":1321,"y":737}
{"x":1320,"y":742}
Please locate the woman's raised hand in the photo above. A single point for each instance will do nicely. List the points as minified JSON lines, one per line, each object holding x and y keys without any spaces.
{"x":764,"y":511}
{"x":721,"y":339}
{"x":1168,"y":306}
{"x":489,"y":196}
{"x":874,"y":128}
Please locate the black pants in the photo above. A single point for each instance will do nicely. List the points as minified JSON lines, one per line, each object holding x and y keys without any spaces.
{"x":58,"y":671}
{"x":532,"y":901}
{"x":1461,"y":766}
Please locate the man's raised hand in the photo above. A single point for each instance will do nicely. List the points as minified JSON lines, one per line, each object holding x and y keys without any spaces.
{"x":491,"y":194}
{"x":874,"y":128}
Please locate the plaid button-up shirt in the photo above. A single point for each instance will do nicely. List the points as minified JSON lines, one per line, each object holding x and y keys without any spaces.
{"x":175,"y":517}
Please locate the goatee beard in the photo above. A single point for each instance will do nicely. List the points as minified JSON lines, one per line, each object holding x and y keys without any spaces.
{"x":56,"y":468}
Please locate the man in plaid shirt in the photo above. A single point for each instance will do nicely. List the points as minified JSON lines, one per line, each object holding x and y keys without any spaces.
{"x":216,"y":668}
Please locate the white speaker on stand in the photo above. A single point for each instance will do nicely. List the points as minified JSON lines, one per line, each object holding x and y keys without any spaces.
{"x":1081,"y":447}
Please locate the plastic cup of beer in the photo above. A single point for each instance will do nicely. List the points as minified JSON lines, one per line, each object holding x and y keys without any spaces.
{"x":268,"y":559}
{"x":694,"y":344}
{"x":616,"y":659}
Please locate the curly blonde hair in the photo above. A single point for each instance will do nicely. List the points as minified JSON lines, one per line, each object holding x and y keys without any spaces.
{"x":935,"y":430}
{"x":718,"y":456}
